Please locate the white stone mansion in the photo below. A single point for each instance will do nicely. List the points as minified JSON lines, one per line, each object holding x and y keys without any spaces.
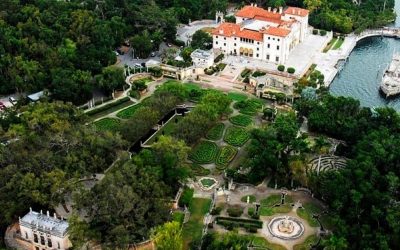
{"x":268,"y":35}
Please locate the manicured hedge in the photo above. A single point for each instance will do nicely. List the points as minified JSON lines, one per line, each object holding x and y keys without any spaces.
{"x":239,"y":221}
{"x":225,"y":156}
{"x":291,"y":70}
{"x":245,"y":73}
{"x":315,"y":32}
{"x":241,"y":120}
{"x":322,"y":32}
{"x":236,"y":136}
{"x":258,"y":73}
{"x":205,"y":152}
{"x":235,"y":211}
{"x":215,"y":133}
{"x":219,"y":58}
{"x":107,"y":106}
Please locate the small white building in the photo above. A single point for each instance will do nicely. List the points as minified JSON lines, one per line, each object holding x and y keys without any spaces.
{"x":202,"y":58}
{"x":44,"y":231}
{"x":265,"y":34}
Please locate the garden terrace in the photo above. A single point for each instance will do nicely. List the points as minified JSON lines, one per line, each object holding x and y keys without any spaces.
{"x":272,"y":205}
{"x":128,"y":112}
{"x":236,"y":136}
{"x":110,"y":124}
{"x":307,"y":211}
{"x":192,"y":230}
{"x":204,"y":152}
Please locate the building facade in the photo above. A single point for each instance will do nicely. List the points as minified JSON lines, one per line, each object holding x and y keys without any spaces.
{"x":268,"y":35}
{"x":44,"y":232}
{"x":202,"y":58}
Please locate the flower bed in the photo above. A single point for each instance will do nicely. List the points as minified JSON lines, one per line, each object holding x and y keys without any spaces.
{"x":198,"y":170}
{"x":225,"y":156}
{"x":236,"y":136}
{"x":239,"y":222}
{"x":205,"y":152}
{"x":107,"y":124}
{"x":241,"y":120}
{"x":215,"y":133}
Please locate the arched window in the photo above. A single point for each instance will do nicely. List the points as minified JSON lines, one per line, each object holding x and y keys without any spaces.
{"x":35,"y":238}
{"x":42,"y":241}
{"x":49,"y":243}
{"x":26,"y":235}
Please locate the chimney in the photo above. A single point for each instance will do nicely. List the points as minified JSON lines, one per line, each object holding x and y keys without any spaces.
{"x":274,"y":11}
{"x":269,"y":9}
{"x":280,"y":10}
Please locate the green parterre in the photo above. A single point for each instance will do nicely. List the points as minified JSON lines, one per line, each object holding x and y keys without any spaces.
{"x":241,"y":120}
{"x":204,"y":152}
{"x":236,"y":136}
{"x":225,"y":156}
{"x":216,"y":132}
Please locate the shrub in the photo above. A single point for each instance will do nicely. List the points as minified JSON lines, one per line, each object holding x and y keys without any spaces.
{"x":315,"y":32}
{"x":221,"y":66}
{"x":251,"y":211}
{"x":216,"y":211}
{"x":245,"y":73}
{"x":205,"y":152}
{"x":215,"y":133}
{"x":219,"y":58}
{"x":235,"y":211}
{"x":225,"y":156}
{"x":258,"y":73}
{"x":241,"y":120}
{"x":107,"y":124}
{"x":179,"y":43}
{"x":322,"y":32}
{"x":128,"y":112}
{"x":291,"y":70}
{"x":186,"y":197}
{"x":156,"y":71}
{"x":281,"y":68}
{"x":134,"y":94}
{"x":236,"y":136}
{"x":198,"y":170}
{"x":255,"y":216}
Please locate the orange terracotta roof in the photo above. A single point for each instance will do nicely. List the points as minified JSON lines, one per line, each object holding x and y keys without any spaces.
{"x":276,"y":31}
{"x":296,"y":11}
{"x":232,"y":29}
{"x":253,"y":11}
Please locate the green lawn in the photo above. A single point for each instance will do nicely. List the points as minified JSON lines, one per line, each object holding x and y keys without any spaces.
{"x":207,"y":182}
{"x":192,"y":230}
{"x":330,"y":44}
{"x":110,"y":124}
{"x":237,"y":97}
{"x":191,"y":86}
{"x":268,"y":205}
{"x":306,"y":245}
{"x":252,"y":198}
{"x":307,"y":211}
{"x":338,"y":43}
{"x":128,"y":112}
{"x":262,"y":242}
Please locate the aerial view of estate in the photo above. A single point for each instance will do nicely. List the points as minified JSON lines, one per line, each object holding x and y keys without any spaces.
{"x":195,"y":124}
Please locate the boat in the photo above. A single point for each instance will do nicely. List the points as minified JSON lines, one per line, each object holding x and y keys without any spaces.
{"x":390,"y":85}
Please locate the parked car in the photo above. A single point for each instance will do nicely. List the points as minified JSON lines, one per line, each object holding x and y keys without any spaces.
{"x":138,"y":65}
{"x":153,"y":54}
{"x":12,"y":100}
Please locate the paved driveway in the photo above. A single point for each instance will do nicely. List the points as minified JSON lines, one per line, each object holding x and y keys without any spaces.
{"x":185,"y":32}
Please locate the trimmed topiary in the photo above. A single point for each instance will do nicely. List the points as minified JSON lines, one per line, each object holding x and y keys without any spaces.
{"x":241,"y":120}
{"x":225,"y":156}
{"x":281,"y":68}
{"x":322,"y":32}
{"x":315,"y":32}
{"x":204,"y":152}
{"x":291,"y":70}
{"x":236,"y":136}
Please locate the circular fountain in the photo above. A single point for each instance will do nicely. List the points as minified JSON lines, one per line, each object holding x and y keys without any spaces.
{"x":286,"y":228}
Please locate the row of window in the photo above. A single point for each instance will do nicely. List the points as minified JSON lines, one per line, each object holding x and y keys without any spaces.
{"x":269,"y":38}
{"x":268,"y":45}
{"x":42,"y":240}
